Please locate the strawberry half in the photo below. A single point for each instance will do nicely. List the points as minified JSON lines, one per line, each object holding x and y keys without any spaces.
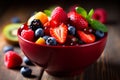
{"x":77,"y":20}
{"x":12,"y":59}
{"x":59,"y":33}
{"x":59,"y":15}
{"x":87,"y":38}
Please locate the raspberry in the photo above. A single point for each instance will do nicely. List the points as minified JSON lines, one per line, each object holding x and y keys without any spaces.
{"x":100,"y":15}
{"x":12,"y":59}
{"x":59,"y":15}
{"x":28,"y":34}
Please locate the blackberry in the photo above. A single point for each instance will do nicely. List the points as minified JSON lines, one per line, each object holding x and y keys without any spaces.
{"x":35,"y":24}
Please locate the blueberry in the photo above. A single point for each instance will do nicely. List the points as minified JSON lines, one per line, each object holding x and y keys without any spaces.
{"x":39,"y":32}
{"x":46,"y":37}
{"x":15,"y":20}
{"x":35,"y":24}
{"x":71,"y":30}
{"x":8,"y":48}
{"x":26,"y":71}
{"x":51,"y":41}
{"x":99,"y":34}
{"x":27,"y":61}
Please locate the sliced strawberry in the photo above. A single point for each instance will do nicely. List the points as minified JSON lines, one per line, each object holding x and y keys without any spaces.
{"x":87,"y":38}
{"x":59,"y":33}
{"x":12,"y":59}
{"x":77,"y":20}
{"x":59,"y":15}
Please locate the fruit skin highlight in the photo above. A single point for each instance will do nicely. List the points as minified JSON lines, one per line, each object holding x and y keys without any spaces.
{"x":10,"y":33}
{"x":39,"y":15}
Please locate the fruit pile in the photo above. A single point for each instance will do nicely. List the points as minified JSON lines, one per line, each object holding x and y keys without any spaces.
{"x":13,"y":60}
{"x":58,"y":27}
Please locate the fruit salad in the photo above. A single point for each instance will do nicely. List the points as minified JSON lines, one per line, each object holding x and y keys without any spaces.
{"x":60,"y":28}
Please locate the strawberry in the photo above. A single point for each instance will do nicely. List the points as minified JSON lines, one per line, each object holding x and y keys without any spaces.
{"x":87,"y":38}
{"x":59,"y":15}
{"x":12,"y":59}
{"x":59,"y":33}
{"x":77,"y":20}
{"x":100,"y":14}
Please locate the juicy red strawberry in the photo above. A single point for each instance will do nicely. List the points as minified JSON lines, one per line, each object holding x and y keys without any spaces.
{"x":77,"y":20}
{"x":59,"y":15}
{"x":59,"y":33}
{"x":100,"y":15}
{"x":87,"y":38}
{"x":28,"y":34}
{"x":12,"y":59}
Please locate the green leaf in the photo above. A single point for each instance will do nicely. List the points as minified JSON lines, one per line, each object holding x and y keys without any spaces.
{"x":81,"y":11}
{"x":47,"y":12}
{"x":98,"y":25}
{"x":89,"y":16}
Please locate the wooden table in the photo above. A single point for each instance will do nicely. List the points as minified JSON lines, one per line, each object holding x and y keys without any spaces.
{"x":107,"y":67}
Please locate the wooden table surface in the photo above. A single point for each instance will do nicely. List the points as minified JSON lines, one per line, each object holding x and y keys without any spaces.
{"x":107,"y":67}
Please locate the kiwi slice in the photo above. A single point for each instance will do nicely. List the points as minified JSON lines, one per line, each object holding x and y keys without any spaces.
{"x":10,"y":32}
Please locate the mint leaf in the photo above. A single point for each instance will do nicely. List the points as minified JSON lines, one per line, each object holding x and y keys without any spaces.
{"x":98,"y":25}
{"x":81,"y":11}
{"x":47,"y":12}
{"x":90,"y":14}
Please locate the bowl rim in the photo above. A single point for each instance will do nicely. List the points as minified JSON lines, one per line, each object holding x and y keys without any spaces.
{"x":59,"y":46}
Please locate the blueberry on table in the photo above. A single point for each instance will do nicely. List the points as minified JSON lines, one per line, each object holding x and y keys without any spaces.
{"x":8,"y":48}
{"x":26,"y":71}
{"x":15,"y":20}
{"x":27,"y":61}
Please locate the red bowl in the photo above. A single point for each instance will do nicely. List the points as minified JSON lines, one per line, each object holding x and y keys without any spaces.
{"x":62,"y":60}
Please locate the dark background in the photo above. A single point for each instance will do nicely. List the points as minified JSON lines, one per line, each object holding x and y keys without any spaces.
{"x":111,"y":6}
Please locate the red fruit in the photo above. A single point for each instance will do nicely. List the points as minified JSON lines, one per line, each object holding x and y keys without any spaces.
{"x":59,"y":33}
{"x":71,"y":40}
{"x":100,"y":15}
{"x":28,"y":34}
{"x":12,"y":59}
{"x":24,"y":27}
{"x":87,"y":38}
{"x":77,"y":20}
{"x":59,"y":15}
{"x":72,"y":8}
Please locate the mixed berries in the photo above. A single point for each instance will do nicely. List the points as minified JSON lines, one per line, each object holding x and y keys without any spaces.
{"x":63,"y":28}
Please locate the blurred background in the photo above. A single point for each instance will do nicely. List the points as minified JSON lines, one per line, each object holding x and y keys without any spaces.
{"x":24,"y":8}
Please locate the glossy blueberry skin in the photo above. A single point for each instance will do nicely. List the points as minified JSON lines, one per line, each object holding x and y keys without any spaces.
{"x":8,"y":48}
{"x":39,"y":32}
{"x":99,"y":34}
{"x":26,"y":71}
{"x":51,"y":41}
{"x":71,"y":30}
{"x":27,"y":61}
{"x":46,"y":37}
